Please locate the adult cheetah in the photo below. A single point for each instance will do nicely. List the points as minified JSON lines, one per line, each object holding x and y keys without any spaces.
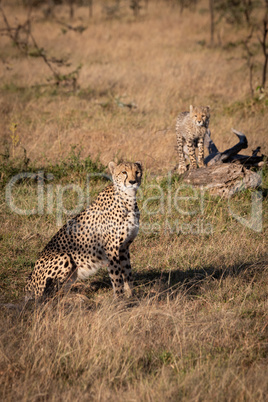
{"x":98,"y":236}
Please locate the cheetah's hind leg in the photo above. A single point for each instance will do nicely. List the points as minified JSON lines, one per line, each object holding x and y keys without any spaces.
{"x":52,"y":273}
{"x":201,"y":152}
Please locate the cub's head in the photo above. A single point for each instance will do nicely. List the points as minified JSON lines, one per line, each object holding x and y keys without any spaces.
{"x":200,"y":115}
{"x":126,"y":175}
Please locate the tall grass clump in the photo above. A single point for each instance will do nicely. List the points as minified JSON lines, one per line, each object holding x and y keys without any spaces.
{"x":163,"y":346}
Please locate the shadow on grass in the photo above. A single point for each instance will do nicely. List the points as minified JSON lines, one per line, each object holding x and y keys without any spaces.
{"x":188,"y":282}
{"x":157,"y":283}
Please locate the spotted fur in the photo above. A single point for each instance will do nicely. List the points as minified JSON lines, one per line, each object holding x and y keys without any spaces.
{"x":191,"y":128}
{"x":98,"y":236}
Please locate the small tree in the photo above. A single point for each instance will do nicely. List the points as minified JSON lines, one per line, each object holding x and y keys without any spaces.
{"x":250,"y":62}
{"x":212,"y":21}
{"x":22,"y":37}
{"x":258,"y":31}
{"x":90,"y":5}
{"x":239,"y":13}
{"x":135,"y":6}
{"x":264,"y":46}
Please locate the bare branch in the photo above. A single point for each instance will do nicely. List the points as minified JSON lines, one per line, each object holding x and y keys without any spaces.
{"x":23,"y":45}
{"x":219,"y":157}
{"x":256,"y":151}
{"x":44,"y":57}
{"x":79,"y":28}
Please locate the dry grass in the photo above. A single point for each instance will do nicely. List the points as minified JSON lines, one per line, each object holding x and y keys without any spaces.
{"x":156,"y":62}
{"x":197,"y":327}
{"x":164,"y":346}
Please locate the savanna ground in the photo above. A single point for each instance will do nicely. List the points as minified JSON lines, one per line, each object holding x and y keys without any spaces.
{"x":197,"y":327}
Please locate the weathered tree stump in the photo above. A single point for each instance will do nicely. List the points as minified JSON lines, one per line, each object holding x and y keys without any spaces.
{"x":227,"y":172}
{"x":224,"y":179}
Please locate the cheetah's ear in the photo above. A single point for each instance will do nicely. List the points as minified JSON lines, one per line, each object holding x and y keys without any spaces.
{"x":139,"y":164}
{"x":208,"y":108}
{"x":112,"y":166}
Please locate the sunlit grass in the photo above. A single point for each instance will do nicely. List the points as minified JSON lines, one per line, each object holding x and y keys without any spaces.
{"x":196,"y":327}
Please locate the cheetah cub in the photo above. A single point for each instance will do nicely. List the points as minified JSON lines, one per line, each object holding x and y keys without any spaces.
{"x":191,"y":129}
{"x":98,"y":236}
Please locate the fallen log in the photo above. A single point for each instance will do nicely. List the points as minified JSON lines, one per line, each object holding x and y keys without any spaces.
{"x":226,"y":172}
{"x":225,"y":179}
{"x":231,"y":154}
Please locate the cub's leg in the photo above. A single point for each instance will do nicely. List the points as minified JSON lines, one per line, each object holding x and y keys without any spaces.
{"x":191,"y":150}
{"x":201,"y":152}
{"x":126,"y":270}
{"x":182,"y":166}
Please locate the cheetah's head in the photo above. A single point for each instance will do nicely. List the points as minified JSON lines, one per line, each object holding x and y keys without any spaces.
{"x":200,"y":115}
{"x":126,"y":175}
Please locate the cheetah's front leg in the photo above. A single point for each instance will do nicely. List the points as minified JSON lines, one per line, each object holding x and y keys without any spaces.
{"x":115,"y":273}
{"x":126,"y":271}
{"x":191,"y":150}
{"x":182,"y":165}
{"x":201,"y":152}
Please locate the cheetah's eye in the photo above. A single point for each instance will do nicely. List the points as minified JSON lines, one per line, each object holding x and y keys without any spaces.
{"x":195,"y":115}
{"x":124,"y":172}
